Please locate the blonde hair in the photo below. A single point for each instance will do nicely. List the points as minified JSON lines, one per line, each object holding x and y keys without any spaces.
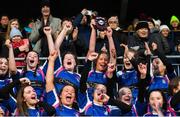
{"x":9,"y":27}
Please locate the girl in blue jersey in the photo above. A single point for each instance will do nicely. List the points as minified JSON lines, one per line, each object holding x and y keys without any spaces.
{"x":33,"y":71}
{"x":26,"y":103}
{"x":29,"y":105}
{"x":66,"y":74}
{"x":63,"y":103}
{"x":163,"y":72}
{"x":98,"y":75}
{"x":7,"y":70}
{"x":158,"y":105}
{"x":125,"y":95}
{"x":98,"y":106}
{"x":129,"y":75}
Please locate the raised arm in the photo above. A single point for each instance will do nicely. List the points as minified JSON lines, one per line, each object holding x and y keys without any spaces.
{"x":112,"y":48}
{"x":87,"y":67}
{"x":50,"y":71}
{"x":67,"y":27}
{"x":47,"y":30}
{"x":12,"y":63}
{"x":92,"y":43}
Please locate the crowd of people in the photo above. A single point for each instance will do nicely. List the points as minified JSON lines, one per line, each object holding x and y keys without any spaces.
{"x":144,"y":86}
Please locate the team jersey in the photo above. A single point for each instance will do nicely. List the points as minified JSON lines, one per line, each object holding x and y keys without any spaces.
{"x":64,"y":77}
{"x":52,"y":99}
{"x":95,"y":77}
{"x":94,"y":109}
{"x":129,"y":79}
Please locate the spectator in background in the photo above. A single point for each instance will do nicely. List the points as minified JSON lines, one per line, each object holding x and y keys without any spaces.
{"x":81,"y":21}
{"x":12,"y":23}
{"x":118,"y":36}
{"x":157,"y":23}
{"x":174,"y":23}
{"x":70,"y":37}
{"x":175,"y":27}
{"x":131,"y":27}
{"x":20,"y":46}
{"x":165,"y":32}
{"x":137,"y":41}
{"x":3,"y":29}
{"x":37,"y":36}
{"x":27,"y":29}
{"x":154,"y":36}
{"x":4,"y":23}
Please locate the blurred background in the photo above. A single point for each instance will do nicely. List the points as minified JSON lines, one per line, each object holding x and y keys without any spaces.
{"x":125,"y":9}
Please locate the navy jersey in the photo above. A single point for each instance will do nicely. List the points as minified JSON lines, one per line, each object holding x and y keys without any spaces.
{"x":129,"y":79}
{"x":169,"y":112}
{"x":5,"y":82}
{"x":7,"y":103}
{"x":64,"y":77}
{"x":6,"y":111}
{"x":97,"y":110}
{"x":37,"y":79}
{"x":160,"y":82}
{"x":115,"y":111}
{"x":52,"y":99}
{"x":95,"y":77}
{"x":33,"y":112}
{"x":138,"y":109}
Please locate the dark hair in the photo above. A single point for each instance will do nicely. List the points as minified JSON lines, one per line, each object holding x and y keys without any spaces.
{"x":45,"y":3}
{"x":164,"y":106}
{"x":101,"y":52}
{"x":25,"y":68}
{"x":69,"y":52}
{"x":21,"y":104}
{"x":67,"y":19}
{"x":1,"y":57}
{"x":4,"y":14}
{"x":74,"y":105}
{"x":174,"y":84}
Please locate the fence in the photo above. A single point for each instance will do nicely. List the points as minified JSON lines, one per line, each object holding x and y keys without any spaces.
{"x":172,"y":58}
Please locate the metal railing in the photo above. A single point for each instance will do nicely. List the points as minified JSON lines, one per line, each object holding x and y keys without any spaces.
{"x":172,"y":59}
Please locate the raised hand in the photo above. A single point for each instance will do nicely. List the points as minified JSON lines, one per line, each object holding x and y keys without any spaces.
{"x":143,"y":70}
{"x":8,"y":43}
{"x":93,"y":23}
{"x":147,"y":51}
{"x":75,"y":33}
{"x":109,"y":32}
{"x":92,"y":56}
{"x":25,"y":81}
{"x":125,"y":48}
{"x":104,"y":98}
{"x":47,"y":30}
{"x":154,"y":46}
{"x":111,"y":67}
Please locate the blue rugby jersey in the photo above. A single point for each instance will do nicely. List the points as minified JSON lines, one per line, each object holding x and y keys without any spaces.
{"x":159,"y":82}
{"x":97,"y":110}
{"x":52,"y":99}
{"x":129,"y":78}
{"x":64,"y":77}
{"x":38,"y":79}
{"x":95,"y":77}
